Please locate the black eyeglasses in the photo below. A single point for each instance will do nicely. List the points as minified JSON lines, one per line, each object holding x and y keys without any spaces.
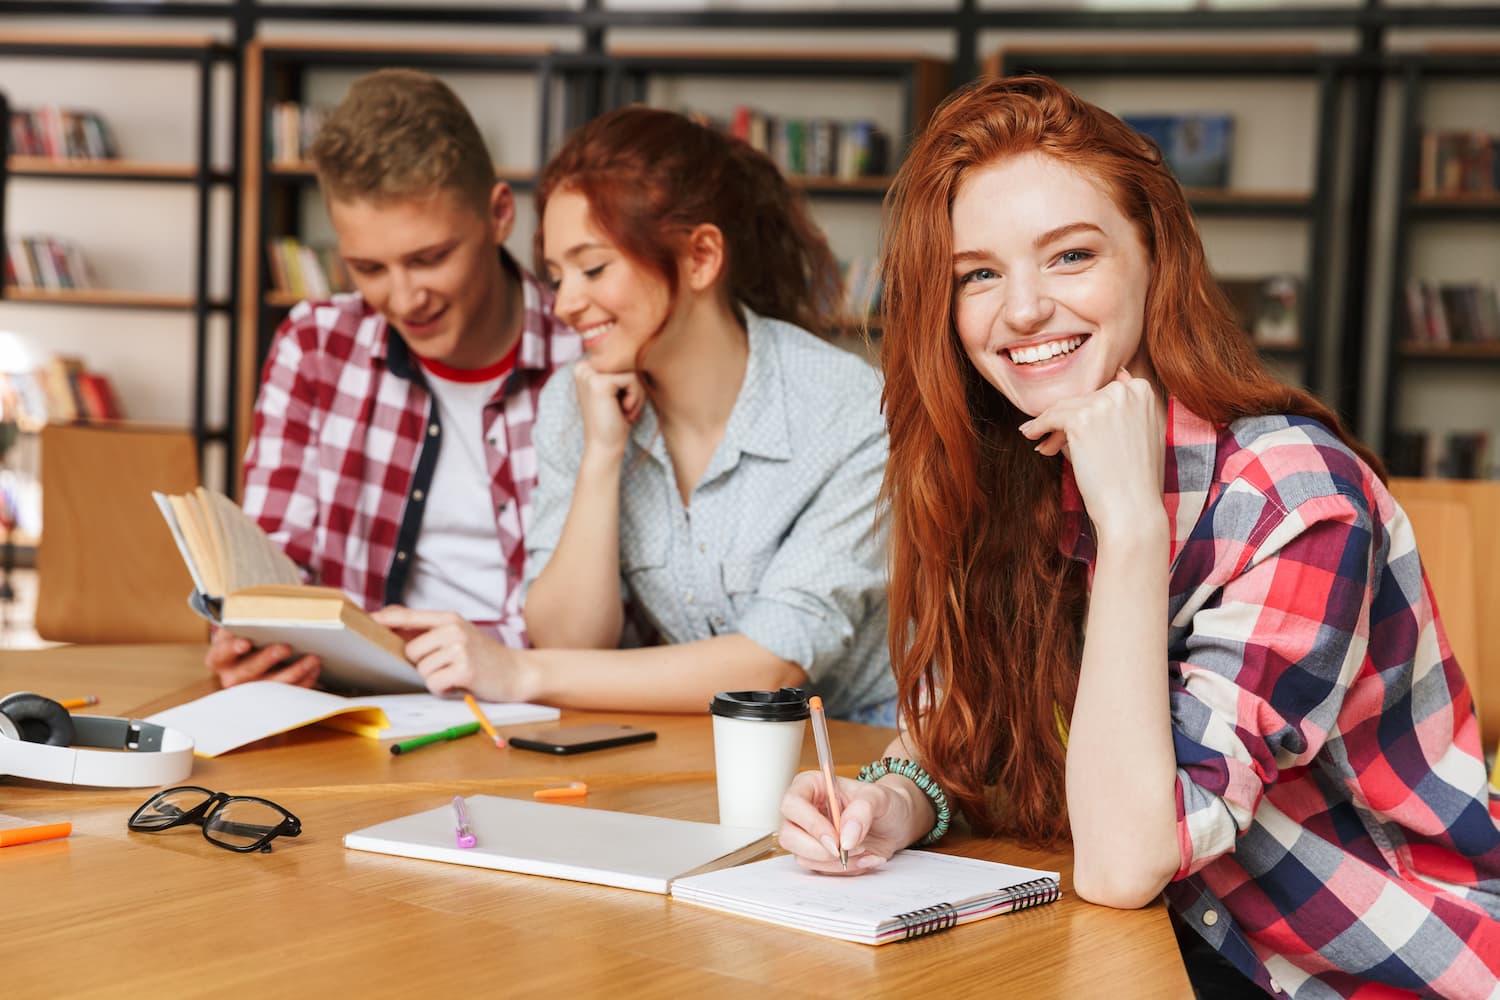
{"x":234,"y":822}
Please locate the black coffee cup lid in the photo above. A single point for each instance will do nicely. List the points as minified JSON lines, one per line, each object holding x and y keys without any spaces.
{"x":786,"y":705}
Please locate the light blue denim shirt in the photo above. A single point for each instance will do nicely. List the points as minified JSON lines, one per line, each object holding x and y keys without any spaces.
{"x":780,"y":540}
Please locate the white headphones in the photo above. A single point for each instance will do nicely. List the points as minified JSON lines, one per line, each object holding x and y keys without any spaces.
{"x":38,"y":740}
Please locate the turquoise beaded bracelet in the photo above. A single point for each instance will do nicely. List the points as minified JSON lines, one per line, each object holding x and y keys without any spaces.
{"x":875,"y":770}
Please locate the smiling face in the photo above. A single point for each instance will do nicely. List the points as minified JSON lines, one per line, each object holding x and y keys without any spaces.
{"x":616,"y":305}
{"x":429,"y":265}
{"x":1050,"y":281}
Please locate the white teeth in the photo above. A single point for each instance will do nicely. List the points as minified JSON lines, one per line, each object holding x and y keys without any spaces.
{"x":1042,"y":352}
{"x":596,"y":331}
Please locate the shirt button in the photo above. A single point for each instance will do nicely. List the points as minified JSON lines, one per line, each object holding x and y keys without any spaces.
{"x":718,"y":621}
{"x":687,"y":596}
{"x":401,"y":557}
{"x":416,"y":494}
{"x":1210,"y":917}
{"x":702,"y":547}
{"x":1275,"y":986}
{"x":432,"y":430}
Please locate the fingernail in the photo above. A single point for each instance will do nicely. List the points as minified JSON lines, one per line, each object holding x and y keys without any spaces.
{"x":849,"y":834}
{"x":869,"y":861}
{"x":829,"y":846}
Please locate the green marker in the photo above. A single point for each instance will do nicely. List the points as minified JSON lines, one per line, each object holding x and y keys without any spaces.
{"x":451,"y":733}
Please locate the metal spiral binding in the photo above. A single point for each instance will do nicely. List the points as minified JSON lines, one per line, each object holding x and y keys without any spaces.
{"x":1033,"y":893}
{"x":928,"y":920}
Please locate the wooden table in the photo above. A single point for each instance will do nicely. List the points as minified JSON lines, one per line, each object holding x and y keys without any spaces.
{"x":107,"y":909}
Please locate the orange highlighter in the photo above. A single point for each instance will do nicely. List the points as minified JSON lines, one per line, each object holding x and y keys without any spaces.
{"x":825,"y":761}
{"x":31,"y":834}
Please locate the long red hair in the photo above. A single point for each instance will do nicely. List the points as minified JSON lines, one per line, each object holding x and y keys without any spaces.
{"x":986,"y":613}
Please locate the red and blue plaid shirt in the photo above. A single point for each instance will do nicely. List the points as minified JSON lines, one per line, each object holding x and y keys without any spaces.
{"x":1333,"y":813}
{"x":339,"y":463}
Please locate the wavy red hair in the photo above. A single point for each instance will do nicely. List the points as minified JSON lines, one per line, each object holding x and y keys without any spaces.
{"x":986,"y":614}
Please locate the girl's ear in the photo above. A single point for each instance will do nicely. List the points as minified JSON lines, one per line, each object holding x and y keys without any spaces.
{"x":703,"y":261}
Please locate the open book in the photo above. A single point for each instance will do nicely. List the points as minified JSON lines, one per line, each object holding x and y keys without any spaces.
{"x":585,"y":845}
{"x":245,"y":583}
{"x":915,"y":893}
{"x":230,"y":718}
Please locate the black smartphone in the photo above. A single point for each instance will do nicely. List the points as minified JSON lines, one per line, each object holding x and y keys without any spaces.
{"x":581,"y":739}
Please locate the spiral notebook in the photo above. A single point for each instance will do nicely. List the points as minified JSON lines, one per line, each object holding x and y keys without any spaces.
{"x":915,"y":893}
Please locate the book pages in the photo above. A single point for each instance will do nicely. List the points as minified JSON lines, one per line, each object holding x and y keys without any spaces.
{"x":250,"y":557}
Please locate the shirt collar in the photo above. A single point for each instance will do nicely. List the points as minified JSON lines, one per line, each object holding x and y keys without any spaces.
{"x":1192,"y":449}
{"x":757,"y":423}
{"x":533,"y":352}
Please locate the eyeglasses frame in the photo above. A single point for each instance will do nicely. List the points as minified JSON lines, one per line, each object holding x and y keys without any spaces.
{"x":290,"y":826}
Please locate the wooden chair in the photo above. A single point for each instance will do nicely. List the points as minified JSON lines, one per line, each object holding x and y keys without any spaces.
{"x":107,"y":569}
{"x":1457,"y":523}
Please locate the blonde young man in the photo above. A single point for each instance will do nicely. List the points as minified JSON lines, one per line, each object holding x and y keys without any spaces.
{"x":391,"y":454}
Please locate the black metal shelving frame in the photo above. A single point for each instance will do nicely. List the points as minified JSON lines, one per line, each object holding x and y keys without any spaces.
{"x":203,"y":178}
{"x":593,"y":77}
{"x":1413,"y":72}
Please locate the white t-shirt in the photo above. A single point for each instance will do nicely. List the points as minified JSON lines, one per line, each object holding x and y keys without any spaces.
{"x":457,"y":564}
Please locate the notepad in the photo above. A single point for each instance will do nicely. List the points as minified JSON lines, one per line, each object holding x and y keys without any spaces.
{"x":915,"y":893}
{"x":584,"y":845}
{"x":221,"y":721}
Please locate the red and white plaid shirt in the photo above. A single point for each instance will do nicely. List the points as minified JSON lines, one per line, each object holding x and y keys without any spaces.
{"x":1337,"y":835}
{"x":339,"y":464}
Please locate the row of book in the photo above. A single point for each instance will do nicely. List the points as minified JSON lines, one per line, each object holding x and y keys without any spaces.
{"x":291,"y":129}
{"x":1459,"y":163}
{"x":1454,"y":455}
{"x":814,"y":147}
{"x":61,"y":134}
{"x":1269,"y":308}
{"x":1196,"y":146}
{"x":45,"y":262}
{"x":61,"y":391}
{"x":306,"y":271}
{"x":1457,"y":313}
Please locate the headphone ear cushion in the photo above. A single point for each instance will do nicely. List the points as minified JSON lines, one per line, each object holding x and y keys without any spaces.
{"x":38,"y":719}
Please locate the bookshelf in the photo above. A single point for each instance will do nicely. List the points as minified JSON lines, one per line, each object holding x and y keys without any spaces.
{"x":1438,"y":386}
{"x":1275,"y":209}
{"x":42,"y":190}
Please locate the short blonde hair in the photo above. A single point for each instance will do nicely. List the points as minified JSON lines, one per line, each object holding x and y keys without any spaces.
{"x":400,"y":133}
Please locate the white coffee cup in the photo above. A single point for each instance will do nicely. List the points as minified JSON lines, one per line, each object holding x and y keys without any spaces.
{"x":757,"y":747}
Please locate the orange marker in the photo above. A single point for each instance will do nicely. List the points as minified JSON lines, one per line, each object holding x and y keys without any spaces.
{"x":572,"y":790}
{"x":84,"y":702}
{"x":489,"y":729}
{"x":825,"y":761}
{"x":31,"y":834}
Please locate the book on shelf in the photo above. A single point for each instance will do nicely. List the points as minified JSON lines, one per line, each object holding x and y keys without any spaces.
{"x":1459,"y":162}
{"x":64,"y":390}
{"x":1452,"y":313}
{"x":245,"y":583}
{"x":234,"y":716}
{"x":45,"y":262}
{"x":1268,"y":308}
{"x":626,"y":850}
{"x":811,"y":147}
{"x":306,"y":271}
{"x":60,"y":134}
{"x":1465,"y":455}
{"x":290,"y":130}
{"x":913,"y":894}
{"x":1196,"y":146}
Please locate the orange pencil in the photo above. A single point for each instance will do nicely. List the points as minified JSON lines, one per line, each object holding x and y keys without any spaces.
{"x":84,"y":702}
{"x":31,"y":834}
{"x":485,"y":723}
{"x":825,"y":761}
